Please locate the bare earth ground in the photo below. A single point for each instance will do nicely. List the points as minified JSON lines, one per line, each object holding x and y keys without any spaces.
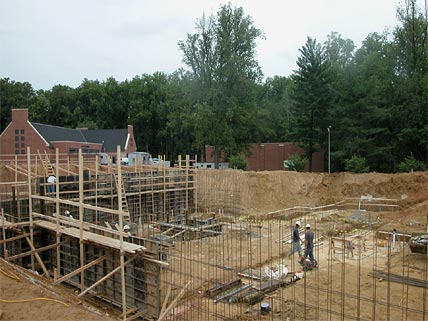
{"x":269,"y":191}
{"x":26,"y":296}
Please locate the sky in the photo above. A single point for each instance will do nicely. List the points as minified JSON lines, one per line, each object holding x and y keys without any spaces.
{"x":50,"y":42}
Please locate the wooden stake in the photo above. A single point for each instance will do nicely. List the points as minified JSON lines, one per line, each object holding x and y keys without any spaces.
{"x":122,"y":257}
{"x":168,"y":292}
{"x":105,"y":278}
{"x":81,"y":269}
{"x":42,"y":265}
{"x":162,"y":316}
{"x":30,"y":201}
{"x":82,"y":254}
{"x":58,"y":235}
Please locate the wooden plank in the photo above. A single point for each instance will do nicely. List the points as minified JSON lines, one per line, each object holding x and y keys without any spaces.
{"x":168,"y":292}
{"x":129,"y":311}
{"x":77,"y":271}
{"x":7,"y":224}
{"x":178,"y":297}
{"x":14,"y":238}
{"x":136,"y":316}
{"x":95,"y":238}
{"x":40,"y":249}
{"x":42,"y":265}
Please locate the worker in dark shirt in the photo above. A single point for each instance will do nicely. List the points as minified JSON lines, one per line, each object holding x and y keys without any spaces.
{"x":295,"y":245}
{"x":309,"y":243}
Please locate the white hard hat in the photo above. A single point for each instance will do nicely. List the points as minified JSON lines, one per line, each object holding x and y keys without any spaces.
{"x":126,"y":227}
{"x":308,"y":225}
{"x":298,"y":223}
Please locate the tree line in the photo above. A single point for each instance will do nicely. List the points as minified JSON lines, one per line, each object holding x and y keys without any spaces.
{"x":372,"y":99}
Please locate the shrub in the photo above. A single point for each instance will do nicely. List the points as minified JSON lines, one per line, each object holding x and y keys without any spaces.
{"x":357,"y":164}
{"x":297,"y":162}
{"x":238,"y":162}
{"x":410,"y":164}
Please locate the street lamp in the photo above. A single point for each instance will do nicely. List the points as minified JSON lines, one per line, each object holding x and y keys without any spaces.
{"x":328,"y":129}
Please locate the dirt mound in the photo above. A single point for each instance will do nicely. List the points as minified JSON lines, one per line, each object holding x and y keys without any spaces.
{"x":27,"y":296}
{"x":411,"y":188}
{"x":262,"y":192}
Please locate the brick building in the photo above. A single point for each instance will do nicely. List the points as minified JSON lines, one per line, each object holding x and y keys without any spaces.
{"x":21,"y":133}
{"x":271,"y":156}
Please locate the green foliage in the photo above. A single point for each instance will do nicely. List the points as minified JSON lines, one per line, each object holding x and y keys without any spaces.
{"x":13,"y":95}
{"x":373,"y":97}
{"x":357,"y":164}
{"x":221,"y":55}
{"x":297,"y":162}
{"x":238,"y":162}
{"x":410,"y":164}
{"x":312,"y":96}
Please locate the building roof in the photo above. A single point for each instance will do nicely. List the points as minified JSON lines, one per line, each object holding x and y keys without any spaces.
{"x":110,"y":138}
{"x":57,"y":134}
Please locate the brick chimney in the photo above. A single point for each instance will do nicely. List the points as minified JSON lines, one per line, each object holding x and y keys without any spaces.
{"x":20,"y":116}
{"x":131,"y":130}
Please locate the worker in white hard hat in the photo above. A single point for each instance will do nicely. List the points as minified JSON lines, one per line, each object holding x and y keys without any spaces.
{"x":295,"y":244}
{"x":127,"y":229}
{"x":309,"y":243}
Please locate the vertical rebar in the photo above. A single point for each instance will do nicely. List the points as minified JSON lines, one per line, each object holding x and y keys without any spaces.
{"x":342,"y":278}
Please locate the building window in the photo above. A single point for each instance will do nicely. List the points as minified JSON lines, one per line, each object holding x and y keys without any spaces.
{"x":22,"y":151}
{"x":16,"y":131}
{"x":16,"y":151}
{"x":22,"y":137}
{"x":22,"y":145}
{"x":16,"y":138}
{"x":16,"y":145}
{"x":22,"y":132}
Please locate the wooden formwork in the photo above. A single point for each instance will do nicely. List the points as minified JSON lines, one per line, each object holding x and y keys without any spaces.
{"x":68,"y":236}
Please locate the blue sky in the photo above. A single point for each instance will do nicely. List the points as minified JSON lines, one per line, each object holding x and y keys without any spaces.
{"x":49,"y":42}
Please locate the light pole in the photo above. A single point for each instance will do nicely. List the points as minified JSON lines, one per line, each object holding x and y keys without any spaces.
{"x":328,"y":129}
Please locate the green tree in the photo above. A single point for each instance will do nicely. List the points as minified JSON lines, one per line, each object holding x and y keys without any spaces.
{"x":410,"y":115}
{"x":221,"y":55}
{"x":62,"y":102}
{"x":238,"y":162}
{"x":150,"y":102}
{"x":274,"y":97}
{"x":366,"y":119}
{"x":357,"y":164}
{"x":312,"y":97}
{"x":410,"y":164}
{"x":297,"y":162}
{"x":13,"y":95}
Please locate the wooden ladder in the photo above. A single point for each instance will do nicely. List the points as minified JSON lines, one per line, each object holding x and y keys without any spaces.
{"x":47,"y":165}
{"x":124,"y":201}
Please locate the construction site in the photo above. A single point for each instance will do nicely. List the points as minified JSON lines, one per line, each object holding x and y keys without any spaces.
{"x":150,"y":242}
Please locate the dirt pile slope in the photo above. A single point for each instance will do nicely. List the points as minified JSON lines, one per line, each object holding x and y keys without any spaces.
{"x":261,"y":192}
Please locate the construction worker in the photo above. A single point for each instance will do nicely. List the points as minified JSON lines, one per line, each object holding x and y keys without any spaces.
{"x":295,"y":242}
{"x":51,"y":184}
{"x":127,"y":230}
{"x":309,"y":243}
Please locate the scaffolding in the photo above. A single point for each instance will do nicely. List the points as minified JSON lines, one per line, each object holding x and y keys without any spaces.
{"x":76,"y":233}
